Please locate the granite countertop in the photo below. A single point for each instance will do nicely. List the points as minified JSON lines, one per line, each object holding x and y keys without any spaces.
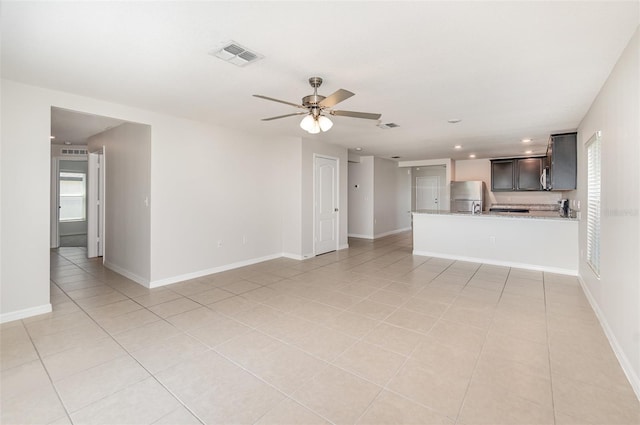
{"x":533,"y":214}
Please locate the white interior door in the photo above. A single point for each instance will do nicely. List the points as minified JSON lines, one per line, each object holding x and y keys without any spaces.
{"x":326,"y":205}
{"x":428,"y":193}
{"x":95,"y":208}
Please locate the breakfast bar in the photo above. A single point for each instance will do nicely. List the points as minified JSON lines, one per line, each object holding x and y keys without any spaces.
{"x":540,"y":241}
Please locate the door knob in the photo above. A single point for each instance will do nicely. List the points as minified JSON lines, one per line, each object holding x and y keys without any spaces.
{"x":335,"y":210}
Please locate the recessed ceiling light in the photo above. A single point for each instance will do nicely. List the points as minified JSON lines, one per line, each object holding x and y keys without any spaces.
{"x":358,"y":149}
{"x":528,"y":152}
{"x":473,"y":155}
{"x":454,"y":120}
{"x":526,"y":140}
{"x":52,"y":137}
{"x":67,"y":143}
{"x":457,"y":147}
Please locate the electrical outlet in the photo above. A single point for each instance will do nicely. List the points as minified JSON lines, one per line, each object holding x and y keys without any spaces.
{"x":244,"y":239}
{"x":220,"y":243}
{"x":492,"y":239}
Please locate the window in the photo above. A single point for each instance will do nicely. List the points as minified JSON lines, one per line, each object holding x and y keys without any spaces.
{"x":593,"y":202}
{"x":73,"y":196}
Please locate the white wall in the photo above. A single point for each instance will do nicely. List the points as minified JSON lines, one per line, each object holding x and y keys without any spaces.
{"x":127,"y":237}
{"x":616,"y":294}
{"x":480,"y":169}
{"x":361,"y":198}
{"x":391,"y":198}
{"x":212,"y":185}
{"x":24,"y":247}
{"x":311,"y":146}
{"x":207,"y":184}
{"x":291,"y":197}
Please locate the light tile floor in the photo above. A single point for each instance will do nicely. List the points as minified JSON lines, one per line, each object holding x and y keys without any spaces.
{"x":367,"y":335}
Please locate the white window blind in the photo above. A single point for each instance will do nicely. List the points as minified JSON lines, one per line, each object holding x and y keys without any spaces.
{"x":593,"y":202}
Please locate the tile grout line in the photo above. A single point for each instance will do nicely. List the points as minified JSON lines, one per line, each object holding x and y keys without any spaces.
{"x":475,"y":366}
{"x":53,"y":385}
{"x":130,"y":355}
{"x":408,"y":357}
{"x":327,"y":267}
{"x":546,"y":322}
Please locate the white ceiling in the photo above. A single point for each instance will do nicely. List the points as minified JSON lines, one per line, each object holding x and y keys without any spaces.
{"x":509,"y":69}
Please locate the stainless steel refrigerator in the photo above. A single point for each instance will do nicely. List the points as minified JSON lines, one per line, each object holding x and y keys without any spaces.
{"x":467,"y":196}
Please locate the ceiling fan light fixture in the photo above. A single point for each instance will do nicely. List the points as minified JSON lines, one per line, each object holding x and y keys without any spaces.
{"x":307,"y":123}
{"x":315,"y":128}
{"x":324,"y":123}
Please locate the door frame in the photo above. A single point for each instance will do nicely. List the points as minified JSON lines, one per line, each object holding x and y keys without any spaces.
{"x":55,"y":196}
{"x":55,"y":203}
{"x":95,"y":210}
{"x":337,"y":191}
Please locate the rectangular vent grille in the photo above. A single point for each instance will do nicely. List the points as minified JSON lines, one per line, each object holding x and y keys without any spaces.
{"x":73,"y":151}
{"x":236,"y":54}
{"x":388,"y":125}
{"x":233,"y":49}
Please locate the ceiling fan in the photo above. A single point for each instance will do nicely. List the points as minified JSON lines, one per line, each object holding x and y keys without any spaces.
{"x":318,"y":106}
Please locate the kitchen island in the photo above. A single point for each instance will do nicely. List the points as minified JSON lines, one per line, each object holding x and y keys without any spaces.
{"x":537,"y":241}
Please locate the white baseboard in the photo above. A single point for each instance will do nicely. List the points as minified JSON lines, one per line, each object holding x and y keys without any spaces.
{"x":379,"y":235}
{"x":293,"y":256}
{"x":129,"y":275}
{"x":499,"y":263}
{"x":200,"y":273}
{"x":392,"y":232}
{"x":359,"y":236}
{"x":633,"y":378}
{"x":343,"y":246}
{"x":24,"y":313}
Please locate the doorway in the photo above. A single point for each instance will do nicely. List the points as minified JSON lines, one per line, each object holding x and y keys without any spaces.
{"x":72,"y":202}
{"x":325,"y":178}
{"x":428,"y":193}
{"x":71,"y":176}
{"x":429,"y":188}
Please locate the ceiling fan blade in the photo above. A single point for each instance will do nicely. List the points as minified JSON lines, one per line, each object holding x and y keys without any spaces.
{"x":284,"y":116}
{"x":353,"y":114}
{"x":279,"y":101}
{"x":335,"y":98}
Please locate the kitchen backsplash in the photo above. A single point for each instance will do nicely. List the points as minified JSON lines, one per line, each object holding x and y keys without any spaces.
{"x":524,"y":197}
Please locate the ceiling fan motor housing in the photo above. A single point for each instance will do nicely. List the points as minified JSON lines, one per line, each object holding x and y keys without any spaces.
{"x":312,"y":100}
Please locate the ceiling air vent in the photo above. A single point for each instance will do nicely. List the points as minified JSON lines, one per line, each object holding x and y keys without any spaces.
{"x":73,"y":151}
{"x":388,"y":125}
{"x":236,"y":54}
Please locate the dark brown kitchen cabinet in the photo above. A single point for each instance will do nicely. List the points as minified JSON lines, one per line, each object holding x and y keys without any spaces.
{"x":516,"y":174}
{"x":502,"y":172}
{"x":528,"y":171}
{"x":562,"y":161}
